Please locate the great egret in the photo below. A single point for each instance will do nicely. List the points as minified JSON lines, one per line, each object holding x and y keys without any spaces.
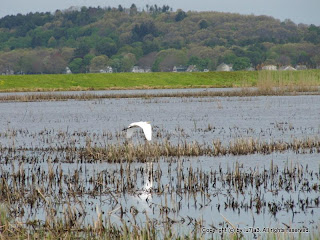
{"x":146,"y":127}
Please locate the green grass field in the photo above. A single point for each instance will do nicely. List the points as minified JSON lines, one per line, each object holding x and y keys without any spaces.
{"x":58,"y":82}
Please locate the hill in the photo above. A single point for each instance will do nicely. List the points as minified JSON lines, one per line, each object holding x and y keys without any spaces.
{"x":90,"y":39}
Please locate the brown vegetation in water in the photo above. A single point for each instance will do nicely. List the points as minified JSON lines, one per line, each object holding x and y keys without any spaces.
{"x":128,"y":152}
{"x":262,"y":90}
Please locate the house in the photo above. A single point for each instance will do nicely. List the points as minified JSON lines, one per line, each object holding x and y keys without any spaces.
{"x":301,"y":67}
{"x":205,"y":70}
{"x":9,"y":72}
{"x":179,"y":69}
{"x":287,"y":68}
{"x":192,"y":68}
{"x":137,"y":69}
{"x":224,"y":67}
{"x":108,"y":69}
{"x":67,"y":70}
{"x":250,"y":69}
{"x":269,"y":67}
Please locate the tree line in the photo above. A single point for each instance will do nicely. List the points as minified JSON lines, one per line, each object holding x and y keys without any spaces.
{"x":155,"y":37}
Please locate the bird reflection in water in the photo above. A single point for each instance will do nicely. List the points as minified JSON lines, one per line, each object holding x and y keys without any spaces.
{"x":146,"y":194}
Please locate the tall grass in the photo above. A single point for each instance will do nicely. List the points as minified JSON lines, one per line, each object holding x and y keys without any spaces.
{"x":300,"y":81}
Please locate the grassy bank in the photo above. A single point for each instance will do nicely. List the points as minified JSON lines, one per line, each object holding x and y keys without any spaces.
{"x":124,"y":81}
{"x":58,"y":82}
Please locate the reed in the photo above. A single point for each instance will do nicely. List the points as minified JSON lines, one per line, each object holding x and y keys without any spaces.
{"x":194,"y":181}
{"x":240,"y":146}
{"x":144,"y":152}
{"x":264,"y":88}
{"x":288,"y":81}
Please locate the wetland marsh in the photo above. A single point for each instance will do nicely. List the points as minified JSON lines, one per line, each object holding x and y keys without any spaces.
{"x":215,"y":162}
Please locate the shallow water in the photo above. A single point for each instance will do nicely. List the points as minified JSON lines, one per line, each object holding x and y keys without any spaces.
{"x":201,"y":119}
{"x":136,"y":91}
{"x":156,"y":189}
{"x":159,"y":191}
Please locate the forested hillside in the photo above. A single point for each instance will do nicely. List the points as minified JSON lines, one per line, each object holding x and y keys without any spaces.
{"x":90,"y":39}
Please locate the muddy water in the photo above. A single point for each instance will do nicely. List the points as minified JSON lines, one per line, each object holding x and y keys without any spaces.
{"x":273,"y":191}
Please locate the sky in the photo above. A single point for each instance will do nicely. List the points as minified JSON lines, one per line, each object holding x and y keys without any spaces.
{"x":306,"y":11}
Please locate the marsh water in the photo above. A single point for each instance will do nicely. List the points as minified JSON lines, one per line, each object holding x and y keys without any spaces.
{"x":280,"y":189}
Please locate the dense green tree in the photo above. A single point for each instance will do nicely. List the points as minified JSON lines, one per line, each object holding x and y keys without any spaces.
{"x":256,"y":57}
{"x":87,"y":61}
{"x":241,"y":63}
{"x":165,"y":8}
{"x":52,"y":42}
{"x":128,"y":61}
{"x":137,"y":49}
{"x":143,"y":29}
{"x":16,"y":43}
{"x":32,"y":62}
{"x":200,"y":63}
{"x":76,"y":65}
{"x":229,"y":58}
{"x":106,"y":46}
{"x":54,"y":63}
{"x":116,"y":64}
{"x":212,"y":37}
{"x":167,"y":59}
{"x":82,"y":50}
{"x":120,"y":8}
{"x":180,"y":16}
{"x":150,"y":46}
{"x":203,"y":24}
{"x":133,"y":9}
{"x":98,"y":63}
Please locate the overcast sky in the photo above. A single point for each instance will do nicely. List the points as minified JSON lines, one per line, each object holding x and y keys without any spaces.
{"x":299,"y":11}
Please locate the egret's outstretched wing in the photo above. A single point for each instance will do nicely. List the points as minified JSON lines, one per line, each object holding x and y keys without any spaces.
{"x":146,"y":127}
{"x":130,"y":131}
{"x":147,"y":131}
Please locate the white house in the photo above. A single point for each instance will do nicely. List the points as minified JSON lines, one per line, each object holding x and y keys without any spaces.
{"x":179,"y":69}
{"x":108,"y":69}
{"x":250,"y":69}
{"x":8,"y":72}
{"x":301,"y":67}
{"x":192,"y":68}
{"x":287,"y":68}
{"x":224,"y":67}
{"x":67,"y":70}
{"x":269,"y":67}
{"x":137,"y":69}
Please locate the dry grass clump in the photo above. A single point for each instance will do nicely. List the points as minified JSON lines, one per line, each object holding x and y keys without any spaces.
{"x":33,"y":189}
{"x":100,"y":229}
{"x":143,"y":152}
{"x":284,"y":82}
{"x":241,"y":146}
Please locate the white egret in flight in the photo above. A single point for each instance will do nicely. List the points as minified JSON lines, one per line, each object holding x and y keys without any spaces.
{"x":146,"y":127}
